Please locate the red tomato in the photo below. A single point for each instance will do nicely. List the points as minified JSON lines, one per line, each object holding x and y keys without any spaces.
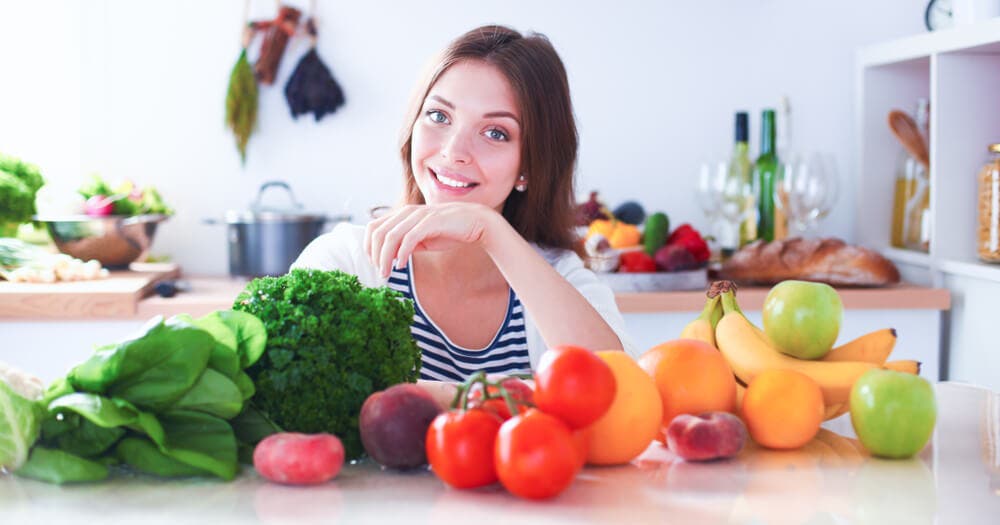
{"x":535,"y":455}
{"x":518,"y":391}
{"x":636,"y":262}
{"x":574,"y":385}
{"x":460,"y":447}
{"x":581,"y":440}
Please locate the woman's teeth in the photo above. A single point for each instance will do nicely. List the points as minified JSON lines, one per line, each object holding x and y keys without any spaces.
{"x":452,"y":182}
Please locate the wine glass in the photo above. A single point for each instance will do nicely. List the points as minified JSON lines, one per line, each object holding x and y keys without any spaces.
{"x":806,"y":190}
{"x":726,"y":198}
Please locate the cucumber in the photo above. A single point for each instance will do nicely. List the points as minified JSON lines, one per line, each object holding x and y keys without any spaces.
{"x":655,"y":232}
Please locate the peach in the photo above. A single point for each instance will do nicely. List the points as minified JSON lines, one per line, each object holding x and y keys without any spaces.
{"x":707,"y":436}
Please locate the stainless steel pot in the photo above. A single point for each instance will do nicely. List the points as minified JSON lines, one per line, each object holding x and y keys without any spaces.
{"x":266,"y":240}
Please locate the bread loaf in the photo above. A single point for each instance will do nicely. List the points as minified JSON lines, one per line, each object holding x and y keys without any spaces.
{"x":830,"y":261}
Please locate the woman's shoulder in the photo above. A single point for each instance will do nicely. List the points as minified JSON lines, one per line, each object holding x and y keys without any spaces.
{"x":343,"y":238}
{"x":342,"y":248}
{"x":561,"y":259}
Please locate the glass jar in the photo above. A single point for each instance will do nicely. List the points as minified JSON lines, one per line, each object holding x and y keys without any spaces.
{"x":988,"y":244}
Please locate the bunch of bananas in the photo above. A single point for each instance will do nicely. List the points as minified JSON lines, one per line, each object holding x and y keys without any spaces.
{"x":749,"y":352}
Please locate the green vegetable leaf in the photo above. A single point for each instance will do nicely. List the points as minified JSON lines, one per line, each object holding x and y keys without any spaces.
{"x":87,"y":439}
{"x":20,"y":421}
{"x":57,"y":388}
{"x":152,"y":370}
{"x":251,"y":336}
{"x":202,"y":441}
{"x":252,"y":426}
{"x":245,"y":384}
{"x":144,"y":456}
{"x":105,"y":412}
{"x":223,"y":357}
{"x":59,"y":466}
{"x":213,"y":394}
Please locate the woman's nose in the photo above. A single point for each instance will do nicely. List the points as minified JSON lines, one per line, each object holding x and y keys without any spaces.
{"x":456,"y":148}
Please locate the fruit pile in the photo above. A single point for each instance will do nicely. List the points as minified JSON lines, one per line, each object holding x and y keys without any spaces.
{"x":617,"y":241}
{"x":586,"y":408}
{"x":785,"y":380}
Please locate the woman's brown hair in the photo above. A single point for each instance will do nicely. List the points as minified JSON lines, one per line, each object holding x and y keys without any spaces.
{"x":543,"y":214}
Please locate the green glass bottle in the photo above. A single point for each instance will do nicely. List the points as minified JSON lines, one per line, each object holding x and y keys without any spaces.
{"x":766,"y":172}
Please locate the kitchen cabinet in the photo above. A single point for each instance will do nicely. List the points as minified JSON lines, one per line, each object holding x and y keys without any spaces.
{"x":958,"y":71}
{"x":829,"y":480}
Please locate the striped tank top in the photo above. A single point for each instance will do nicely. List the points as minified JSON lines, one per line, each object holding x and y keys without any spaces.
{"x":443,"y":360}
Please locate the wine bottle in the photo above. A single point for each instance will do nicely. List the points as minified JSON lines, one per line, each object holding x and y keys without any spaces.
{"x":766,"y":172}
{"x":740,"y":173}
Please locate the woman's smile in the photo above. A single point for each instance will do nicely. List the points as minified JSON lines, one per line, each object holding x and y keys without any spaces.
{"x":451,"y":181}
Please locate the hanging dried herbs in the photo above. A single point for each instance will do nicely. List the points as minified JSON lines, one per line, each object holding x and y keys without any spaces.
{"x":312,"y":88}
{"x":276,"y":32}
{"x":241,"y":103}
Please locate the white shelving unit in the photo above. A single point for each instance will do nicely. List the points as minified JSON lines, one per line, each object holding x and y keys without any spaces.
{"x":958,"y":71}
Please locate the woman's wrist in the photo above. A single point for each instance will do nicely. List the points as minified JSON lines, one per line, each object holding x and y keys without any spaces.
{"x":496,"y":231}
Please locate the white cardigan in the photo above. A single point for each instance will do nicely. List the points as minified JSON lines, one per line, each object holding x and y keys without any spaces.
{"x":343,"y":249}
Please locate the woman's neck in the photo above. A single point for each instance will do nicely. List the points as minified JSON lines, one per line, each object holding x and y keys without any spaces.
{"x":468,"y":267}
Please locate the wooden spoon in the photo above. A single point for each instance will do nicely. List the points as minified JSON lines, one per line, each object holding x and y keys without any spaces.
{"x":908,"y":133}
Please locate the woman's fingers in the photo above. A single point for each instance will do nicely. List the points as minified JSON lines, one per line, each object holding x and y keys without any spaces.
{"x":376,"y":231}
{"x":419,"y":232}
{"x":392,"y":239}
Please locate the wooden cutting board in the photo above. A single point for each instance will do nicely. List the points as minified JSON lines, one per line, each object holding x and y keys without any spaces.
{"x":116,"y":296}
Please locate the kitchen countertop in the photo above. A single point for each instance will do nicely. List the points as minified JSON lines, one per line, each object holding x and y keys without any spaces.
{"x":955,"y":479}
{"x":207,"y":294}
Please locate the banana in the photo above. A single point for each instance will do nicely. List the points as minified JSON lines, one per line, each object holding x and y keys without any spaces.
{"x":703,"y":328}
{"x":748,"y":354}
{"x":873,"y":347}
{"x":836,"y":410}
{"x":908,"y":366}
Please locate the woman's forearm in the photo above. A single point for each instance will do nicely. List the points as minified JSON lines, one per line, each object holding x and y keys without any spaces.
{"x":562,"y":314}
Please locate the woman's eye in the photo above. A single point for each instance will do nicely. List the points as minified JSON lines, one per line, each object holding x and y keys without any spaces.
{"x":437,"y":116}
{"x":496,"y":134}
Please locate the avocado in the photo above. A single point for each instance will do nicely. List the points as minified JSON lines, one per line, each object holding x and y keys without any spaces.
{"x":655,"y":232}
{"x":630,"y":212}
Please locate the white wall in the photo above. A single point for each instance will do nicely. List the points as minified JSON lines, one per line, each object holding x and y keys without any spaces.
{"x":136,"y":89}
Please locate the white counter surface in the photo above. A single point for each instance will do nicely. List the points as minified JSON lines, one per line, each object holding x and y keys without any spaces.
{"x":955,"y":480}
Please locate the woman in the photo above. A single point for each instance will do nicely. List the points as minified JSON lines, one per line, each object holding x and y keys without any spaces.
{"x":483,"y":243}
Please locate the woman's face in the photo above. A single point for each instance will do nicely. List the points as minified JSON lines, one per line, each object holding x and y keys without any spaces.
{"x":466,"y":143}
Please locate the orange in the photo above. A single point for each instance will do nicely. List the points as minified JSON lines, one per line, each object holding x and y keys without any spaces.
{"x":633,"y":420}
{"x":783,"y":409}
{"x":691,"y":376}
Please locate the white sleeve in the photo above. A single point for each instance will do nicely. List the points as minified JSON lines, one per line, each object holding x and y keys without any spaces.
{"x":597,"y":293}
{"x":340,"y":249}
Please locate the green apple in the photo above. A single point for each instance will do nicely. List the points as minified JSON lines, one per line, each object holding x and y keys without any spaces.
{"x":802,"y":319}
{"x":893,"y":413}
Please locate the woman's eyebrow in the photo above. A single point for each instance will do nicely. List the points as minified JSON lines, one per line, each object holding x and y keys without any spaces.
{"x":442,"y":100}
{"x":506,"y":114}
{"x":492,"y":114}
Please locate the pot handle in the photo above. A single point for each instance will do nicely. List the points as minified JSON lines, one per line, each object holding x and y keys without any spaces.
{"x":275,"y":184}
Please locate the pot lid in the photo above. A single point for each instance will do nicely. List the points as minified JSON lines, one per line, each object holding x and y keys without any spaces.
{"x":260,"y":212}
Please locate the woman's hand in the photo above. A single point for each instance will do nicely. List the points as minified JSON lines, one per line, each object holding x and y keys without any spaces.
{"x":405,"y":230}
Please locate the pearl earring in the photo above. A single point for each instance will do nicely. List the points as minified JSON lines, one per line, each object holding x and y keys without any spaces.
{"x":522,"y":184}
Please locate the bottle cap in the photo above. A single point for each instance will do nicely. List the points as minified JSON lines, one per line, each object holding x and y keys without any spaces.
{"x":741,"y":127}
